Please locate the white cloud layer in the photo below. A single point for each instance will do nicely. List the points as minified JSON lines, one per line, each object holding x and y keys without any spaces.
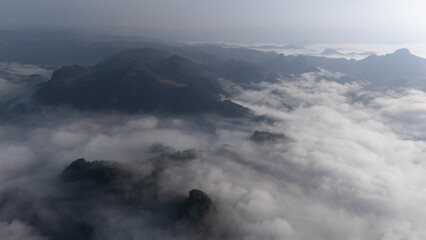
{"x":353,"y":169}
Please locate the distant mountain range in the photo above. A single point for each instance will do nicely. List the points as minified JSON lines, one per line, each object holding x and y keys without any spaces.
{"x":400,"y":68}
{"x":139,"y":74}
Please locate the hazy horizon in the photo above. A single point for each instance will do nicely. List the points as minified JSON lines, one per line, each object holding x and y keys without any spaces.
{"x":276,"y":21}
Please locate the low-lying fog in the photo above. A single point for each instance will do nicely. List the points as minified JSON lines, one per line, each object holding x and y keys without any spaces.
{"x":351,"y":164}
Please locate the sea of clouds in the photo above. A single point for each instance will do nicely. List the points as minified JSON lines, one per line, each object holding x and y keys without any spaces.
{"x":352,"y":165}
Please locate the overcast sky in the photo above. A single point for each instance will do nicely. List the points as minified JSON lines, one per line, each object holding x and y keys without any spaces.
{"x":341,"y":20}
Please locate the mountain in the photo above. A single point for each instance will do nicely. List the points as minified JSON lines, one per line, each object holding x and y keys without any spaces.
{"x":60,"y":48}
{"x":126,"y":184}
{"x":400,"y":68}
{"x":138,"y":80}
{"x":330,"y":51}
{"x":86,"y":193}
{"x":236,"y":64}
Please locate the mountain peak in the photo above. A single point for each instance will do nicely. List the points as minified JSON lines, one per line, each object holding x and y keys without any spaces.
{"x":402,"y":51}
{"x":331,"y":51}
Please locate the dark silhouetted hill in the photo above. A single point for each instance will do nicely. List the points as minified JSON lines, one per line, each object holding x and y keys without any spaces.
{"x":138,"y":80}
